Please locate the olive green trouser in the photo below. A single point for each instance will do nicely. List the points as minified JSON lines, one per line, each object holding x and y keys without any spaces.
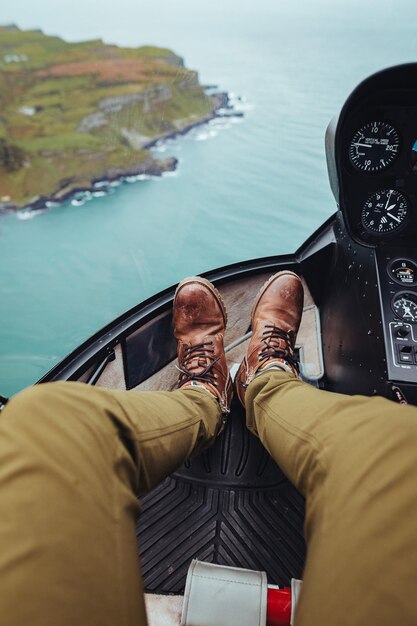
{"x":74,"y":458}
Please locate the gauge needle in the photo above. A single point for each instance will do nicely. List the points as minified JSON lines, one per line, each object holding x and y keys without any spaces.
{"x":388,"y":199}
{"x":391,"y":207}
{"x":362,"y":145}
{"x":395,"y":218}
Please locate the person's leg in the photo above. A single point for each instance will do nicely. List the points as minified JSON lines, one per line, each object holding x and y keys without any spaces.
{"x":355,"y":460}
{"x":72,"y":461}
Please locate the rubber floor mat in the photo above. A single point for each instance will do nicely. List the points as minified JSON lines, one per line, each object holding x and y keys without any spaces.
{"x":232,"y":505}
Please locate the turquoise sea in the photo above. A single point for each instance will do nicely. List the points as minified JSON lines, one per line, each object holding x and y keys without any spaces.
{"x":244,"y":188}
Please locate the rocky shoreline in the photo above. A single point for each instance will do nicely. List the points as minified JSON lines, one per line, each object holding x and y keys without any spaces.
{"x":104,"y":184}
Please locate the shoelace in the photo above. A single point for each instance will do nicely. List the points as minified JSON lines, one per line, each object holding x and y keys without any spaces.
{"x":199,"y":350}
{"x":272,"y":337}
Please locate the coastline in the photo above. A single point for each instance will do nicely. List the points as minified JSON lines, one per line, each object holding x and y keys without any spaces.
{"x":104,"y":184}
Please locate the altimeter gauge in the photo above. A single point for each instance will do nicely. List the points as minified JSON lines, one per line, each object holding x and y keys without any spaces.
{"x":384,"y":211}
{"x":374,"y":147}
{"x":405,"y":306}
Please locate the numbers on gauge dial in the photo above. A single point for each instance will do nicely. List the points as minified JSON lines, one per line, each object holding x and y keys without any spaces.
{"x":374,"y":147}
{"x":403,"y":271}
{"x":384,"y":211}
{"x":405,"y":306}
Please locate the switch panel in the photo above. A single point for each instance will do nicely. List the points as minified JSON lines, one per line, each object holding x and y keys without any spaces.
{"x":397,"y":277}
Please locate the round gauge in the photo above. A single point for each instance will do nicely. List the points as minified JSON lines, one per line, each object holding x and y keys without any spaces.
{"x":405,"y":306}
{"x":384,"y":211}
{"x":374,"y":147}
{"x":403,"y":271}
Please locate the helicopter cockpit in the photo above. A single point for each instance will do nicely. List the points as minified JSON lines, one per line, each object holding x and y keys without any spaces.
{"x":358,"y":336}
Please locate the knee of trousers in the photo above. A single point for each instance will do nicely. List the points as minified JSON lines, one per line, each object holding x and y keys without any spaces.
{"x":47,"y":407}
{"x":34,"y":399}
{"x":69,"y":427}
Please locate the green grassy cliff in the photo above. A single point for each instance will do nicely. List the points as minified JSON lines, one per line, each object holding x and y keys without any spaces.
{"x":71,"y":113}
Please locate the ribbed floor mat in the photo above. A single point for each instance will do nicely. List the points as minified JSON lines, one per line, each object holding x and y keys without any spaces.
{"x":232,"y":505}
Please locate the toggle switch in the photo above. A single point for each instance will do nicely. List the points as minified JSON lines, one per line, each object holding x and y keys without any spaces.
{"x":406,"y":354}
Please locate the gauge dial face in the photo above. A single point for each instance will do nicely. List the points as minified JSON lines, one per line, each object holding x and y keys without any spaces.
{"x":405,"y":307}
{"x":384,"y":211}
{"x":403,"y":271}
{"x":374,"y":147}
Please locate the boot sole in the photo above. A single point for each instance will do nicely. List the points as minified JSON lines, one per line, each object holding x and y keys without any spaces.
{"x":265,"y":287}
{"x":210,"y":286}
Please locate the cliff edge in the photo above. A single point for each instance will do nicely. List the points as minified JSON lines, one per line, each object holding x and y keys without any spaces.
{"x":73,"y":113}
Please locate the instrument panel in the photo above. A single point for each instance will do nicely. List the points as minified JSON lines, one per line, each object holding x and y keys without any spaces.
{"x":397,"y":278}
{"x":371,"y":151}
{"x":379,"y":169}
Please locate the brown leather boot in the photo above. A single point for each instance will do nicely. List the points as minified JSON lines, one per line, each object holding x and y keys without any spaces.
{"x":199,"y":325}
{"x":276,"y":316}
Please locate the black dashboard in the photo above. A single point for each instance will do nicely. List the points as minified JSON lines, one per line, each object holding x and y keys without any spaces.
{"x":371,"y":151}
{"x":379,"y":170}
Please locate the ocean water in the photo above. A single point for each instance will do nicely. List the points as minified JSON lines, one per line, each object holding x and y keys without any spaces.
{"x":245,"y":187}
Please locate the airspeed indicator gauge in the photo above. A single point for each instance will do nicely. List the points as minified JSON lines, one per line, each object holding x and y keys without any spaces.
{"x":374,"y":147}
{"x":384,"y":212}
